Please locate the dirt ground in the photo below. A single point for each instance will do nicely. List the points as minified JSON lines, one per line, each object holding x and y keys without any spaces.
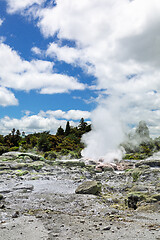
{"x":46,"y":207}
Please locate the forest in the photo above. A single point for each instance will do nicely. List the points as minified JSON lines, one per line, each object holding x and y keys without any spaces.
{"x":67,"y":142}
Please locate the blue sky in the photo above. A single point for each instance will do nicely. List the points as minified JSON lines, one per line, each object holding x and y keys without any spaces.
{"x":20,"y":33}
{"x":66,"y":59}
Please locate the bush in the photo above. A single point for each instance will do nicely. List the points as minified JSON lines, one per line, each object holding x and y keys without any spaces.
{"x":14,"y":149}
{"x":3,"y":149}
{"x":75,"y":155}
{"x":50,"y":155}
{"x":64,"y":152}
{"x":135,"y":175}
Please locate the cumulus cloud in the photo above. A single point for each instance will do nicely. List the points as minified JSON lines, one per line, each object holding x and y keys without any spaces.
{"x":19,"y":5}
{"x":44,"y":121}
{"x":36,"y":50}
{"x":1,"y":21}
{"x":19,"y":74}
{"x":7,"y":98}
{"x":64,"y":53}
{"x":120,"y":41}
{"x":71,"y":114}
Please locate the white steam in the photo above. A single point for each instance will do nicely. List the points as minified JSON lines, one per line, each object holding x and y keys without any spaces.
{"x":106,"y":135}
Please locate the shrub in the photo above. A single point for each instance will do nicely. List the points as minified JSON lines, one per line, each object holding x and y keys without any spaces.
{"x":50,"y":155}
{"x":14,"y":149}
{"x":3,"y":149}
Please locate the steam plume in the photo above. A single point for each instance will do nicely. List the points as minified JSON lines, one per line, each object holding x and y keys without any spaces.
{"x":104,"y":139}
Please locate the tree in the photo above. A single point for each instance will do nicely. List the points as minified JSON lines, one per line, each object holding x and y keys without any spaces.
{"x":43,"y":142}
{"x":17,"y":138}
{"x":60,"y":131}
{"x":82,"y":125}
{"x":13,"y":131}
{"x":68,"y":128}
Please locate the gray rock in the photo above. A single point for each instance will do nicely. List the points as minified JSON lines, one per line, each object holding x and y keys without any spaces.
{"x":14,"y":155}
{"x":89,"y":187}
{"x":23,"y":187}
{"x":149,"y":162}
{"x":70,"y":163}
{"x":17,"y":165}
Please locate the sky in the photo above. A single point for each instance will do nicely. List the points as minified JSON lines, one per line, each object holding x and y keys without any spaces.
{"x":66,"y":59}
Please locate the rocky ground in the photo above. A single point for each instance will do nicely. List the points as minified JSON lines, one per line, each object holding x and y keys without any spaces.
{"x":38,"y":199}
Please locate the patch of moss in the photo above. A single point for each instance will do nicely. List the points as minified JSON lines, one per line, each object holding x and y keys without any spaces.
{"x":156,"y":196}
{"x":146,"y":208}
{"x":141,"y":196}
{"x":5,"y":172}
{"x":35,"y":178}
{"x":135,"y":175}
{"x":18,"y":165}
{"x":36,"y":165}
{"x":70,"y":163}
{"x":20,"y":173}
{"x":118,"y":207}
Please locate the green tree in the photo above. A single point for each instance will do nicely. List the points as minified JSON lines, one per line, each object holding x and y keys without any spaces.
{"x":43,"y":142}
{"x":68,"y":129}
{"x":60,"y":131}
{"x":82,"y":125}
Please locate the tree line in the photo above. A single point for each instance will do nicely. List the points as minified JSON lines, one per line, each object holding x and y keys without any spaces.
{"x":137,"y":145}
{"x":64,"y":141}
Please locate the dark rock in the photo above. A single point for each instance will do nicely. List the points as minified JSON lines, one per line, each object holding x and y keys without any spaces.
{"x":89,"y":187}
{"x":107,"y":228}
{"x":2,"y":206}
{"x":1,"y":197}
{"x":16,"y":214}
{"x":132,"y":201}
{"x":156,"y":196}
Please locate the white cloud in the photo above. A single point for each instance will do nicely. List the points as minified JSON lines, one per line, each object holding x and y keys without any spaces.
{"x":120,"y":39}
{"x":1,"y":21}
{"x":71,"y":114}
{"x":36,"y":50}
{"x":44,"y":121}
{"x":19,"y":5}
{"x":7,"y":98}
{"x":19,"y":74}
{"x":66,"y":54}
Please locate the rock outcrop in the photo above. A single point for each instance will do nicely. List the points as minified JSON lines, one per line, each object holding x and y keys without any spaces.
{"x":89,"y":187}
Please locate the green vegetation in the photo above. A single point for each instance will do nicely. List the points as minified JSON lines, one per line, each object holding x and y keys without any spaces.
{"x":67,"y":142}
{"x":64,"y":143}
{"x":135,"y":175}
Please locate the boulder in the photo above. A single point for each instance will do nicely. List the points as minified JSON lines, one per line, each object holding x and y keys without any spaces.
{"x":37,"y":165}
{"x":89,"y":187}
{"x":17,"y":165}
{"x":17,"y":155}
{"x":23,"y":187}
{"x":1,"y":197}
{"x":104,"y":167}
{"x":151,"y":163}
